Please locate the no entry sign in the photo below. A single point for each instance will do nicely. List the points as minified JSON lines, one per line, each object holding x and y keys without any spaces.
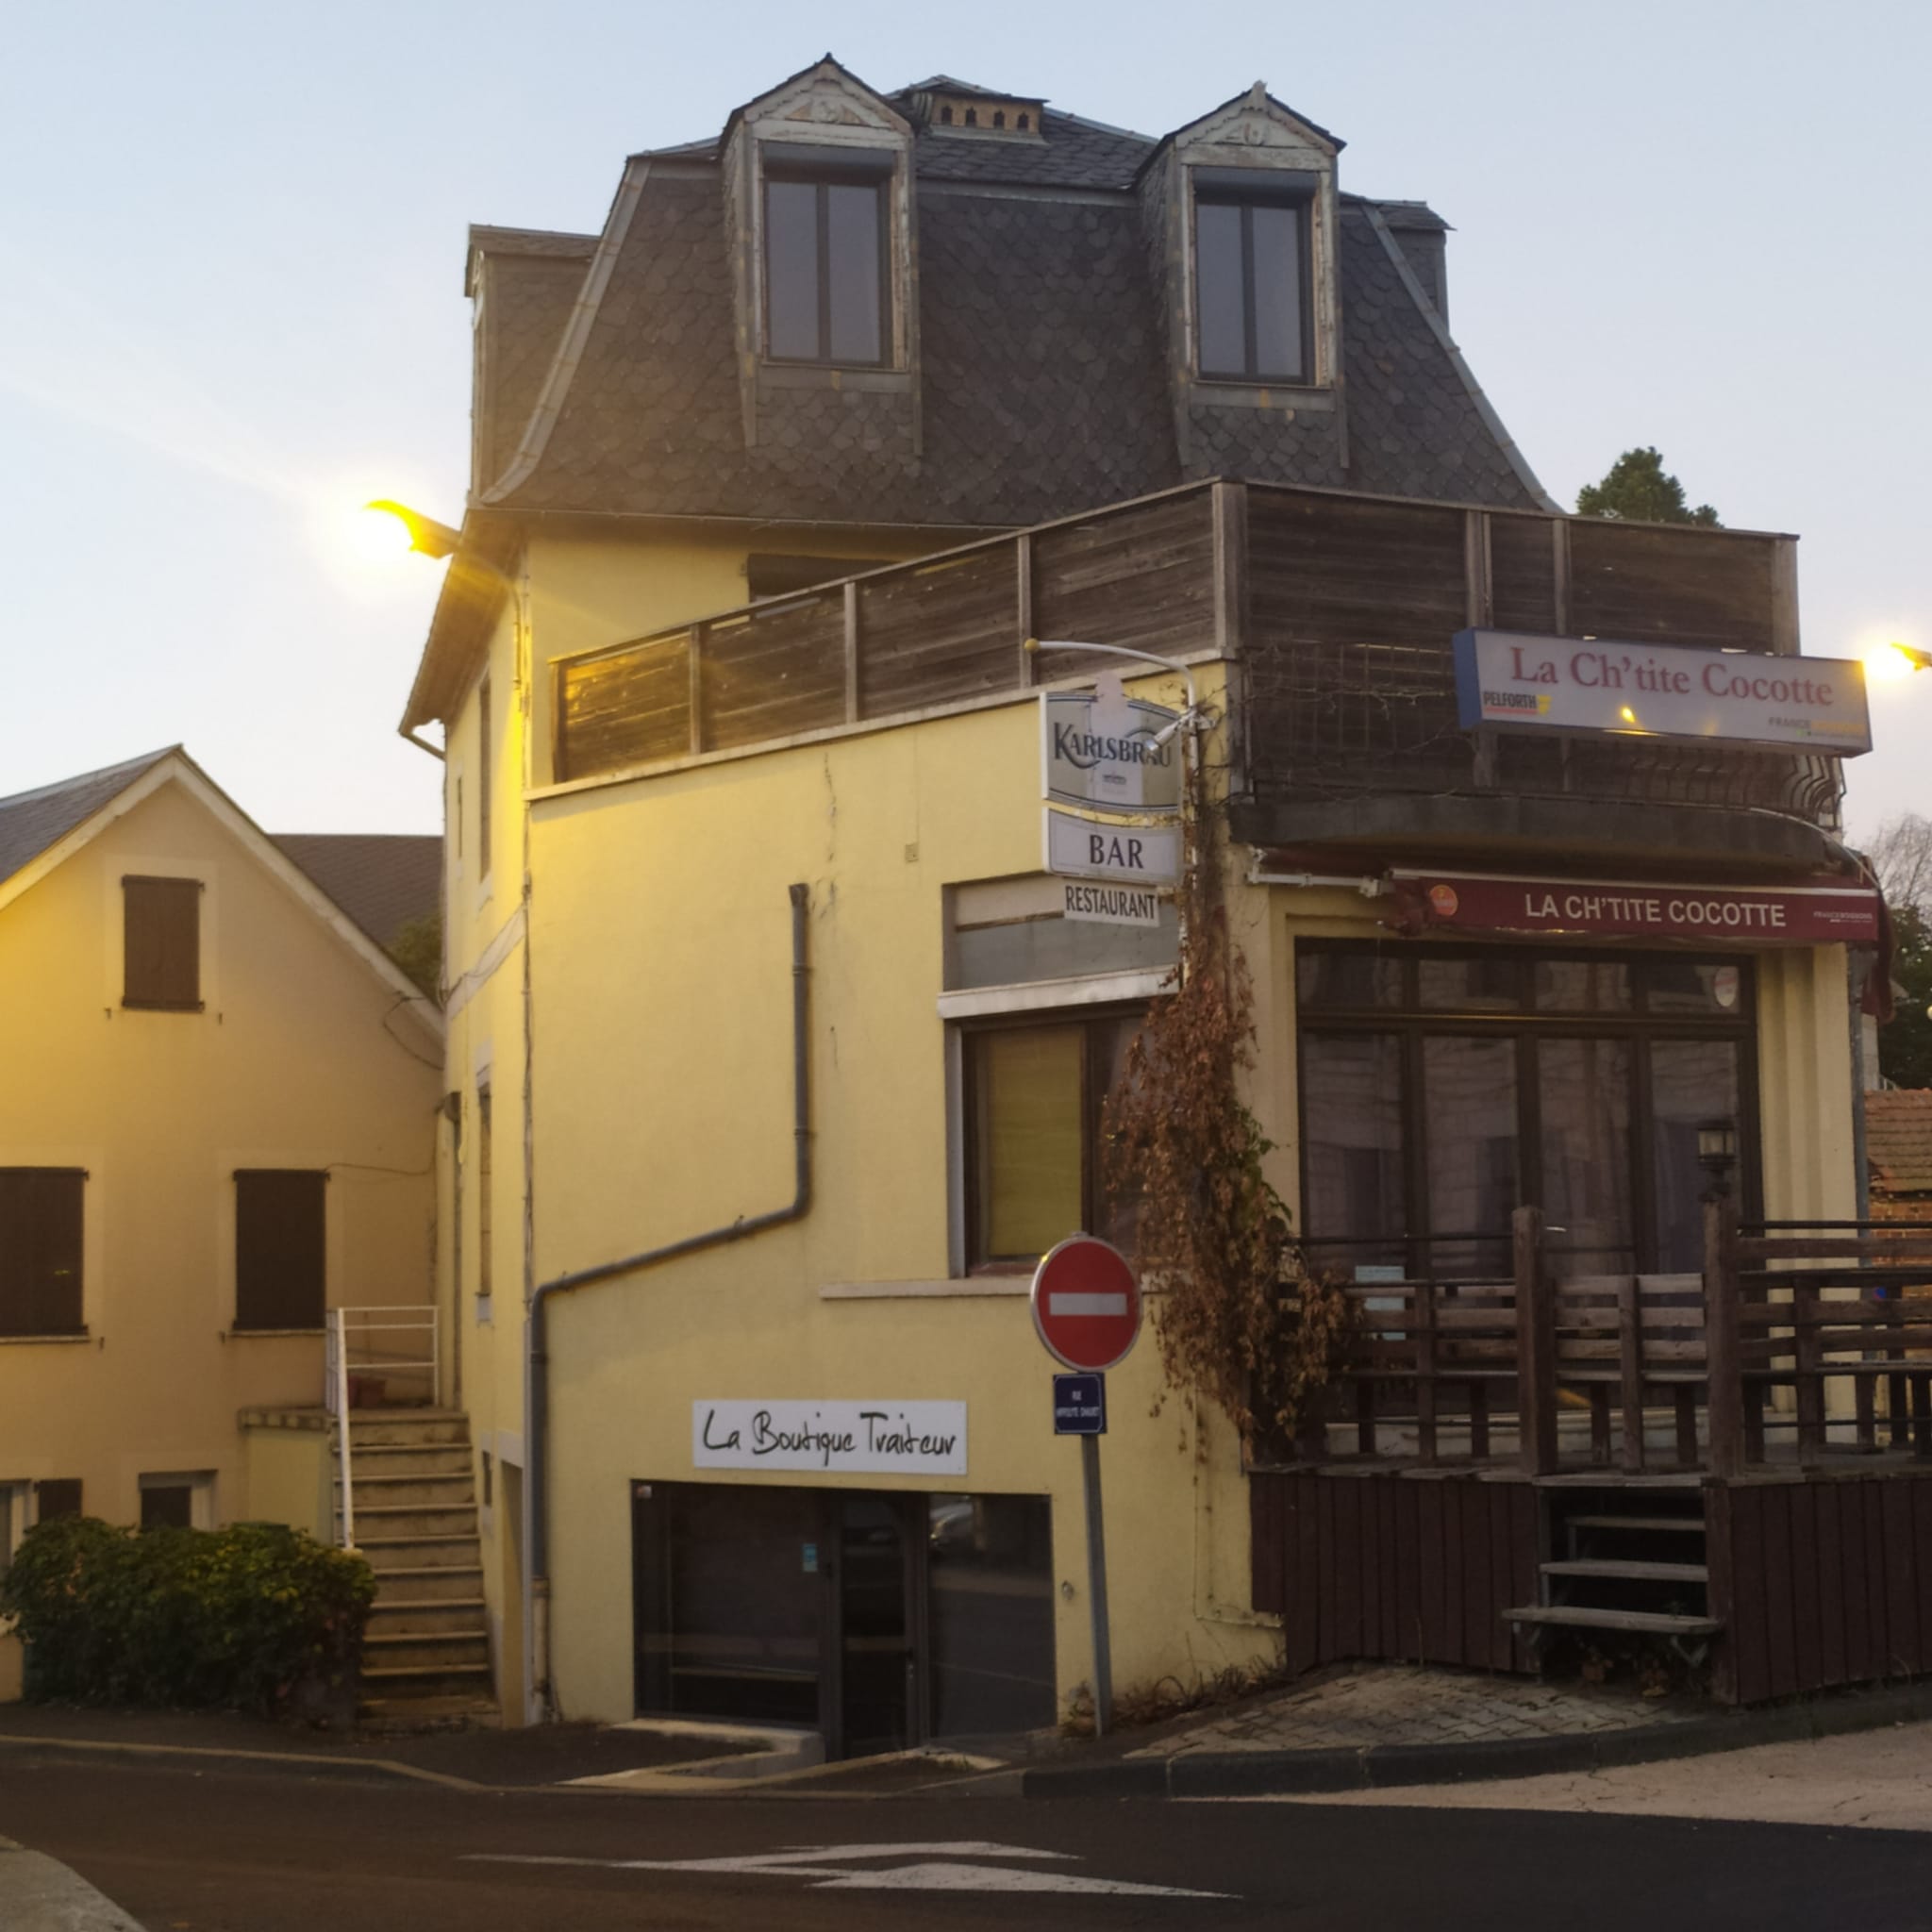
{"x":1086,"y":1303}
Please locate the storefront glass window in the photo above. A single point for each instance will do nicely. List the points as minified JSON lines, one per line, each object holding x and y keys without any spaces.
{"x":990,"y":1589}
{"x":1463,"y":1083}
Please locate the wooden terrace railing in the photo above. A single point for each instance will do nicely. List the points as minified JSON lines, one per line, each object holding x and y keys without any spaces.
{"x":1673,"y":1371}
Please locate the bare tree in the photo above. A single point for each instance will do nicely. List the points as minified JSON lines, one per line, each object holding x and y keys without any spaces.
{"x":1901,"y":855}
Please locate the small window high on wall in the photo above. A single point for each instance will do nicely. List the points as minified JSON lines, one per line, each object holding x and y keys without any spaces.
{"x":827,"y":260}
{"x":161,"y":920}
{"x":1253,"y":319}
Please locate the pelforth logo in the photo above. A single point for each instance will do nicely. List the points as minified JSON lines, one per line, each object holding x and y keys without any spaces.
{"x":1104,"y":751}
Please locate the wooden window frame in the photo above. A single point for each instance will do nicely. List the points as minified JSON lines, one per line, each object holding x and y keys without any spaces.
{"x":141,"y":1002}
{"x":824,"y":175}
{"x":1090,"y":1020}
{"x":1525,"y":1022}
{"x":78,"y":1176}
{"x":242,"y":1286}
{"x":1302,"y":202}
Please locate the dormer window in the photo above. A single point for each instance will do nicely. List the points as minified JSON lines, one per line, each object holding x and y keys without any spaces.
{"x":1253,"y":307}
{"x":827,"y":260}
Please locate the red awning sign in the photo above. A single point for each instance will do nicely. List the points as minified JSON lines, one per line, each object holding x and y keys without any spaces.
{"x":1771,"y":915}
{"x":1086,"y":1303}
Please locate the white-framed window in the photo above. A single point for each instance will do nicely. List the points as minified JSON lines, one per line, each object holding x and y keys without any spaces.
{"x":178,"y":1499}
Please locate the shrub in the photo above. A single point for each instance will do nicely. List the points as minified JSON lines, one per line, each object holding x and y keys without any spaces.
{"x":243,"y":1616}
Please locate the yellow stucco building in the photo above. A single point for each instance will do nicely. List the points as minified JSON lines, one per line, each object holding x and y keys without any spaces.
{"x":217,"y":1122}
{"x":740,"y":1280}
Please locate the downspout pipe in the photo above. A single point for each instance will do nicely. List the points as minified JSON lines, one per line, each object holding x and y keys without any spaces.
{"x":537,"y":1327}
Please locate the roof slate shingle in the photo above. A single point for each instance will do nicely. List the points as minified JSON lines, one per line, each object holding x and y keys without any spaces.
{"x":31,"y":822}
{"x":1898,"y":1139}
{"x":382,"y":880}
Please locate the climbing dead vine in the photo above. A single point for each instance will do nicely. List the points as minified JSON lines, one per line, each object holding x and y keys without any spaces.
{"x":1238,"y":1318}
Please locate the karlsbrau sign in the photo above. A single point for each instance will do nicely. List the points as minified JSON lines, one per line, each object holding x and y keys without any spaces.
{"x":1102,"y":751}
{"x":1511,"y":682}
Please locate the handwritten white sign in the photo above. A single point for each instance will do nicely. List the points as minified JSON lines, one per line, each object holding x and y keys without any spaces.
{"x":858,"y":1437}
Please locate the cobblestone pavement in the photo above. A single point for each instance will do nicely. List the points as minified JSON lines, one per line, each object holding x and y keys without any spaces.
{"x":1399,"y":1704}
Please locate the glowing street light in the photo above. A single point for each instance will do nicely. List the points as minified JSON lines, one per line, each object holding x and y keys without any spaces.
{"x":388,"y":529}
{"x":1895,"y":660}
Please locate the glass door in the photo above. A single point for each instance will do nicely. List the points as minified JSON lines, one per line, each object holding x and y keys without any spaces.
{"x":875,"y":1624}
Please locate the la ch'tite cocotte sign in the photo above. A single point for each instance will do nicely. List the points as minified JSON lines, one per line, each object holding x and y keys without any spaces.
{"x":1511,"y":682}
{"x":1772,"y":915}
{"x":860,"y":1437}
{"x":1086,"y":1303}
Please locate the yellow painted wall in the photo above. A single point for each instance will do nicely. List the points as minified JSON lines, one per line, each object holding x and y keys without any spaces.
{"x":289,"y":1479}
{"x":297,"y":1061}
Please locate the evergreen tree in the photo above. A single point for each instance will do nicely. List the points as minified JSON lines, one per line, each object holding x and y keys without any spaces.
{"x":1639,"y":490}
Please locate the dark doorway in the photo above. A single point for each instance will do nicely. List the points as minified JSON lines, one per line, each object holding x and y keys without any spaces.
{"x":877,"y":1678}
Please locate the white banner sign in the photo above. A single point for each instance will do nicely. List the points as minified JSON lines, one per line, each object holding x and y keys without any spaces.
{"x":1101,"y":905}
{"x":1097,"y":750}
{"x":1513,"y":682}
{"x":1086,"y":849}
{"x":833,"y":1438}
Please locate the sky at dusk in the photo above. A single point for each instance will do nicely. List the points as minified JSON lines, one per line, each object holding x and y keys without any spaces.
{"x":231,"y":309}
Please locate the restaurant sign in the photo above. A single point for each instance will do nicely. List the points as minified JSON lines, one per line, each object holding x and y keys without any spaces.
{"x":1511,"y":682}
{"x":1770,"y":915}
{"x":856,"y":1437}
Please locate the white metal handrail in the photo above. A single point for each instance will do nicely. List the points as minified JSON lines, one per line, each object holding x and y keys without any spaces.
{"x":364,"y":1339}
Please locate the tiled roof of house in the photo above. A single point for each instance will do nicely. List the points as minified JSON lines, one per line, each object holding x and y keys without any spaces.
{"x":382,"y":880}
{"x":31,"y":822}
{"x":1898,"y":1139}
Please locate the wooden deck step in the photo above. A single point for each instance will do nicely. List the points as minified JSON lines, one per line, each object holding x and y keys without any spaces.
{"x":1581,"y":1617}
{"x":1636,"y":1571}
{"x":1669,"y":1525}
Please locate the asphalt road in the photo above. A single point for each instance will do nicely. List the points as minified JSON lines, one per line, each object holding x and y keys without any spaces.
{"x":186,"y":1853}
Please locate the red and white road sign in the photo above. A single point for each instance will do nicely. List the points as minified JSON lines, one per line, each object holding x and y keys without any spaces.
{"x":1086,"y":1303}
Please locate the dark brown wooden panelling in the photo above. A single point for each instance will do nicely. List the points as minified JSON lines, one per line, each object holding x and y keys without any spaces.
{"x":1820,"y":1583}
{"x":934,"y":634}
{"x":1670,"y":586}
{"x":1381,"y":1565}
{"x":41,"y":1216}
{"x":1143,"y":578}
{"x":626,"y":708}
{"x":161,"y":921}
{"x":280,"y":1251}
{"x":1523,"y":575}
{"x":773,"y":673}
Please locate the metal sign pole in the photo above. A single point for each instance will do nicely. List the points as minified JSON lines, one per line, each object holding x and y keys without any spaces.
{"x":1096,"y":1587}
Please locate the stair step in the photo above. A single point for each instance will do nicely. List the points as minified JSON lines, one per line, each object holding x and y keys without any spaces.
{"x":373,"y":1461}
{"x":1580,"y":1616}
{"x":436,"y":1616}
{"x":1636,"y":1571}
{"x":419,"y":1519}
{"x":429,"y":1583}
{"x":463,"y":1552}
{"x":1668,"y":1525}
{"x":406,"y":1650}
{"x":414,"y":1681}
{"x":435,"y":1492}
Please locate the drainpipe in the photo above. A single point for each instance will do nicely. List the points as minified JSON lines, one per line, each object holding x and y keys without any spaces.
{"x":537,"y":1448}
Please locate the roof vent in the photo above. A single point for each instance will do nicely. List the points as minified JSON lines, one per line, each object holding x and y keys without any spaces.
{"x":972,"y":112}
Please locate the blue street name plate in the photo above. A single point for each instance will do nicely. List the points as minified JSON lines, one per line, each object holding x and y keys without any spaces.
{"x":1079,"y":1404}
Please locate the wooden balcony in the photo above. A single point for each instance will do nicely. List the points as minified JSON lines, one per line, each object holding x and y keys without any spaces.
{"x":1339,"y":609}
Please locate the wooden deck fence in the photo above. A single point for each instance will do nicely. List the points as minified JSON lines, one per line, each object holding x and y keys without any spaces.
{"x":1674,"y":1371}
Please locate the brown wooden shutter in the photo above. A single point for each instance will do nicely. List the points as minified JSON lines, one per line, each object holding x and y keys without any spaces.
{"x":57,"y":1496}
{"x":162,"y":921}
{"x":280,"y":1273}
{"x":41,"y":1220}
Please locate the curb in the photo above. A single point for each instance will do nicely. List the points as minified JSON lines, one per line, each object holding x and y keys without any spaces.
{"x":200,"y":1758}
{"x":1389,"y":1767}
{"x":40,"y":1894}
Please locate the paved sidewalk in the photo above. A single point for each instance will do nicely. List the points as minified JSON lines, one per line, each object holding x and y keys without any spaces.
{"x":1398,"y":1704}
{"x":1881,"y":1781}
{"x":40,"y":1894}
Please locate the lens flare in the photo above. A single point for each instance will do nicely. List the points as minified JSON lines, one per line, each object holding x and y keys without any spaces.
{"x":379,"y":536}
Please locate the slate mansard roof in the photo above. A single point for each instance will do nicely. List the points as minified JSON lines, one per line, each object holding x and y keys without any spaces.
{"x":613,"y":383}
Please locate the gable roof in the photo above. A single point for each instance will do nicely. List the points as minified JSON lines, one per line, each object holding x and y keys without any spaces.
{"x":30,"y":822}
{"x":382,"y":880}
{"x":41,"y":830}
{"x":1898,"y":1139}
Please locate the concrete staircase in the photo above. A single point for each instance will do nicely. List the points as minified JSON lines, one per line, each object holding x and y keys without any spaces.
{"x":427,"y":1645}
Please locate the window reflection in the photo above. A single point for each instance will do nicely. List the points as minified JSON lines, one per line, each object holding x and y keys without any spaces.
{"x":1352,"y":1085}
{"x":1585,"y":1093}
{"x":1469,"y":1089}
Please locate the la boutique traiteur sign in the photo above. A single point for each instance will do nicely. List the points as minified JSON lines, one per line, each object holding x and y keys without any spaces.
{"x":1771,"y":915}
{"x":1511,"y":682}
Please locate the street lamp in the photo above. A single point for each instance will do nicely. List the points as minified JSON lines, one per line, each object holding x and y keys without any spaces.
{"x":394,"y":526}
{"x":1895,"y":659}
{"x":1717,"y":1154}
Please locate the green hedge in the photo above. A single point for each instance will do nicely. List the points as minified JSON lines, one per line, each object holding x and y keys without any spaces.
{"x":244,"y":1616}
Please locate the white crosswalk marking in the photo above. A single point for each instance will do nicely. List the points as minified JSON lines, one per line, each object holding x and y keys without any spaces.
{"x":831,"y":1868}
